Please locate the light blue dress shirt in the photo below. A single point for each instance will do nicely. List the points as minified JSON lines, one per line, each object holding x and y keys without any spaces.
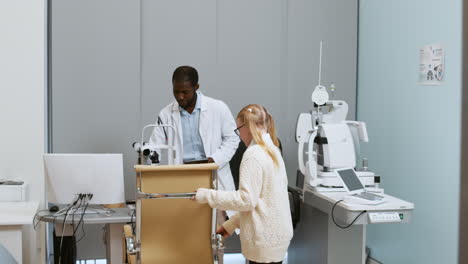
{"x":193,"y":145}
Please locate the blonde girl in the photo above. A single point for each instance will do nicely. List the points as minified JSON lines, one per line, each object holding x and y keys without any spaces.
{"x":262,"y":200}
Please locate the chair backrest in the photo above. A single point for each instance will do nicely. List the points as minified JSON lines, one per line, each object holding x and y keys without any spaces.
{"x":175,"y":231}
{"x":236,"y":160}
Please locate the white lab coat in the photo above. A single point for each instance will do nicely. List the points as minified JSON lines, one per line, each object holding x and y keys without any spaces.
{"x":216,"y":128}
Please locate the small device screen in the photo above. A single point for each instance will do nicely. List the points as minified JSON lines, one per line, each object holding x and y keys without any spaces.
{"x":350,"y":179}
{"x":196,"y":161}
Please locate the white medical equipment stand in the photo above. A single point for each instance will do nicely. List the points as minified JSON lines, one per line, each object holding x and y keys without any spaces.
{"x":317,"y":237}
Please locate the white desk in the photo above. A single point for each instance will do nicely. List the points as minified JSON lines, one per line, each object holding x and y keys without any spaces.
{"x":13,"y":215}
{"x":318,"y":240}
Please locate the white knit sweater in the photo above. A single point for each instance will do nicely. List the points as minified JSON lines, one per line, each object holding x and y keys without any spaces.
{"x":262,"y":203}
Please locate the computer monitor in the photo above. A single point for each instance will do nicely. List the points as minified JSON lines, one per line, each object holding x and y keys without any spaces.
{"x":70,"y":174}
{"x":350,"y":180}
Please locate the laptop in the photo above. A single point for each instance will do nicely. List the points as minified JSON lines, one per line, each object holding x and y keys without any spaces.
{"x":357,"y":191}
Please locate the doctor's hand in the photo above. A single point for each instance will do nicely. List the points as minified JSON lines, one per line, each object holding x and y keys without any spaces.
{"x":222,"y":232}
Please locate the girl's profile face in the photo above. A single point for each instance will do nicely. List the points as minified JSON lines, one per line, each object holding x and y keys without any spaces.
{"x":244,"y":133}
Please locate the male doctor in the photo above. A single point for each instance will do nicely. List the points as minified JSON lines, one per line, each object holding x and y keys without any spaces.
{"x":204,"y":126}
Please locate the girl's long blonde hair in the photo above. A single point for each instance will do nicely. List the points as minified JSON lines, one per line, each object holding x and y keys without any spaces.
{"x":256,"y":118}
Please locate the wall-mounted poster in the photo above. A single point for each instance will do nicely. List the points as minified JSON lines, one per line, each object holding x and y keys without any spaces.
{"x":431,"y":64}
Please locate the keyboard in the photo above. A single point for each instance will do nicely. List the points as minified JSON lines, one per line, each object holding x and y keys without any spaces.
{"x":89,"y":210}
{"x":92,"y":211}
{"x":369,"y":196}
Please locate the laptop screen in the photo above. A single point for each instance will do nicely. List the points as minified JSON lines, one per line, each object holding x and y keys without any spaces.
{"x":350,"y":179}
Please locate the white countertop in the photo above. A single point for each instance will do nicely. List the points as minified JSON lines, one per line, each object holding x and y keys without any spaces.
{"x":17,"y":213}
{"x":392,"y":203}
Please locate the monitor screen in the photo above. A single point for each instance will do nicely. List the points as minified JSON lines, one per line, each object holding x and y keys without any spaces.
{"x":350,"y":179}
{"x":70,"y":174}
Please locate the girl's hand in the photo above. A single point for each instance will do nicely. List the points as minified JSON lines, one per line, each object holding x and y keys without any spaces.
{"x":222,"y":231}
{"x":194,"y":197}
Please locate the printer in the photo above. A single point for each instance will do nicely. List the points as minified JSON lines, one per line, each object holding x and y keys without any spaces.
{"x":12,"y":191}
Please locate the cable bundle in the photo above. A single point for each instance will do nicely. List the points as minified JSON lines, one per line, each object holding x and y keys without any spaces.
{"x":78,"y":206}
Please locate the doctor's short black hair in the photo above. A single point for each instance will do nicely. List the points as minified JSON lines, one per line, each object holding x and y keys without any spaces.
{"x":185,"y":74}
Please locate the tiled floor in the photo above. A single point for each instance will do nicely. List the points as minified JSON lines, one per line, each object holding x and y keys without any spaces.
{"x":239,"y":259}
{"x":234,"y":259}
{"x":228,"y":259}
{"x":96,"y":261}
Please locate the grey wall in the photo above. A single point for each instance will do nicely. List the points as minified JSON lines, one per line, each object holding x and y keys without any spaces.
{"x":308,"y":22}
{"x":112,"y":63}
{"x":95,"y":77}
{"x":262,"y":52}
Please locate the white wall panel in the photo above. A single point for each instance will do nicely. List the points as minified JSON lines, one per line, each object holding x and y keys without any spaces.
{"x":22,"y":109}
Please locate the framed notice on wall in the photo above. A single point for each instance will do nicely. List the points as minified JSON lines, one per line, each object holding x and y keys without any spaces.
{"x":431,"y":65}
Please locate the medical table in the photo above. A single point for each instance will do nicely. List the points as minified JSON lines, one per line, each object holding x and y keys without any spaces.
{"x":317,"y":239}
